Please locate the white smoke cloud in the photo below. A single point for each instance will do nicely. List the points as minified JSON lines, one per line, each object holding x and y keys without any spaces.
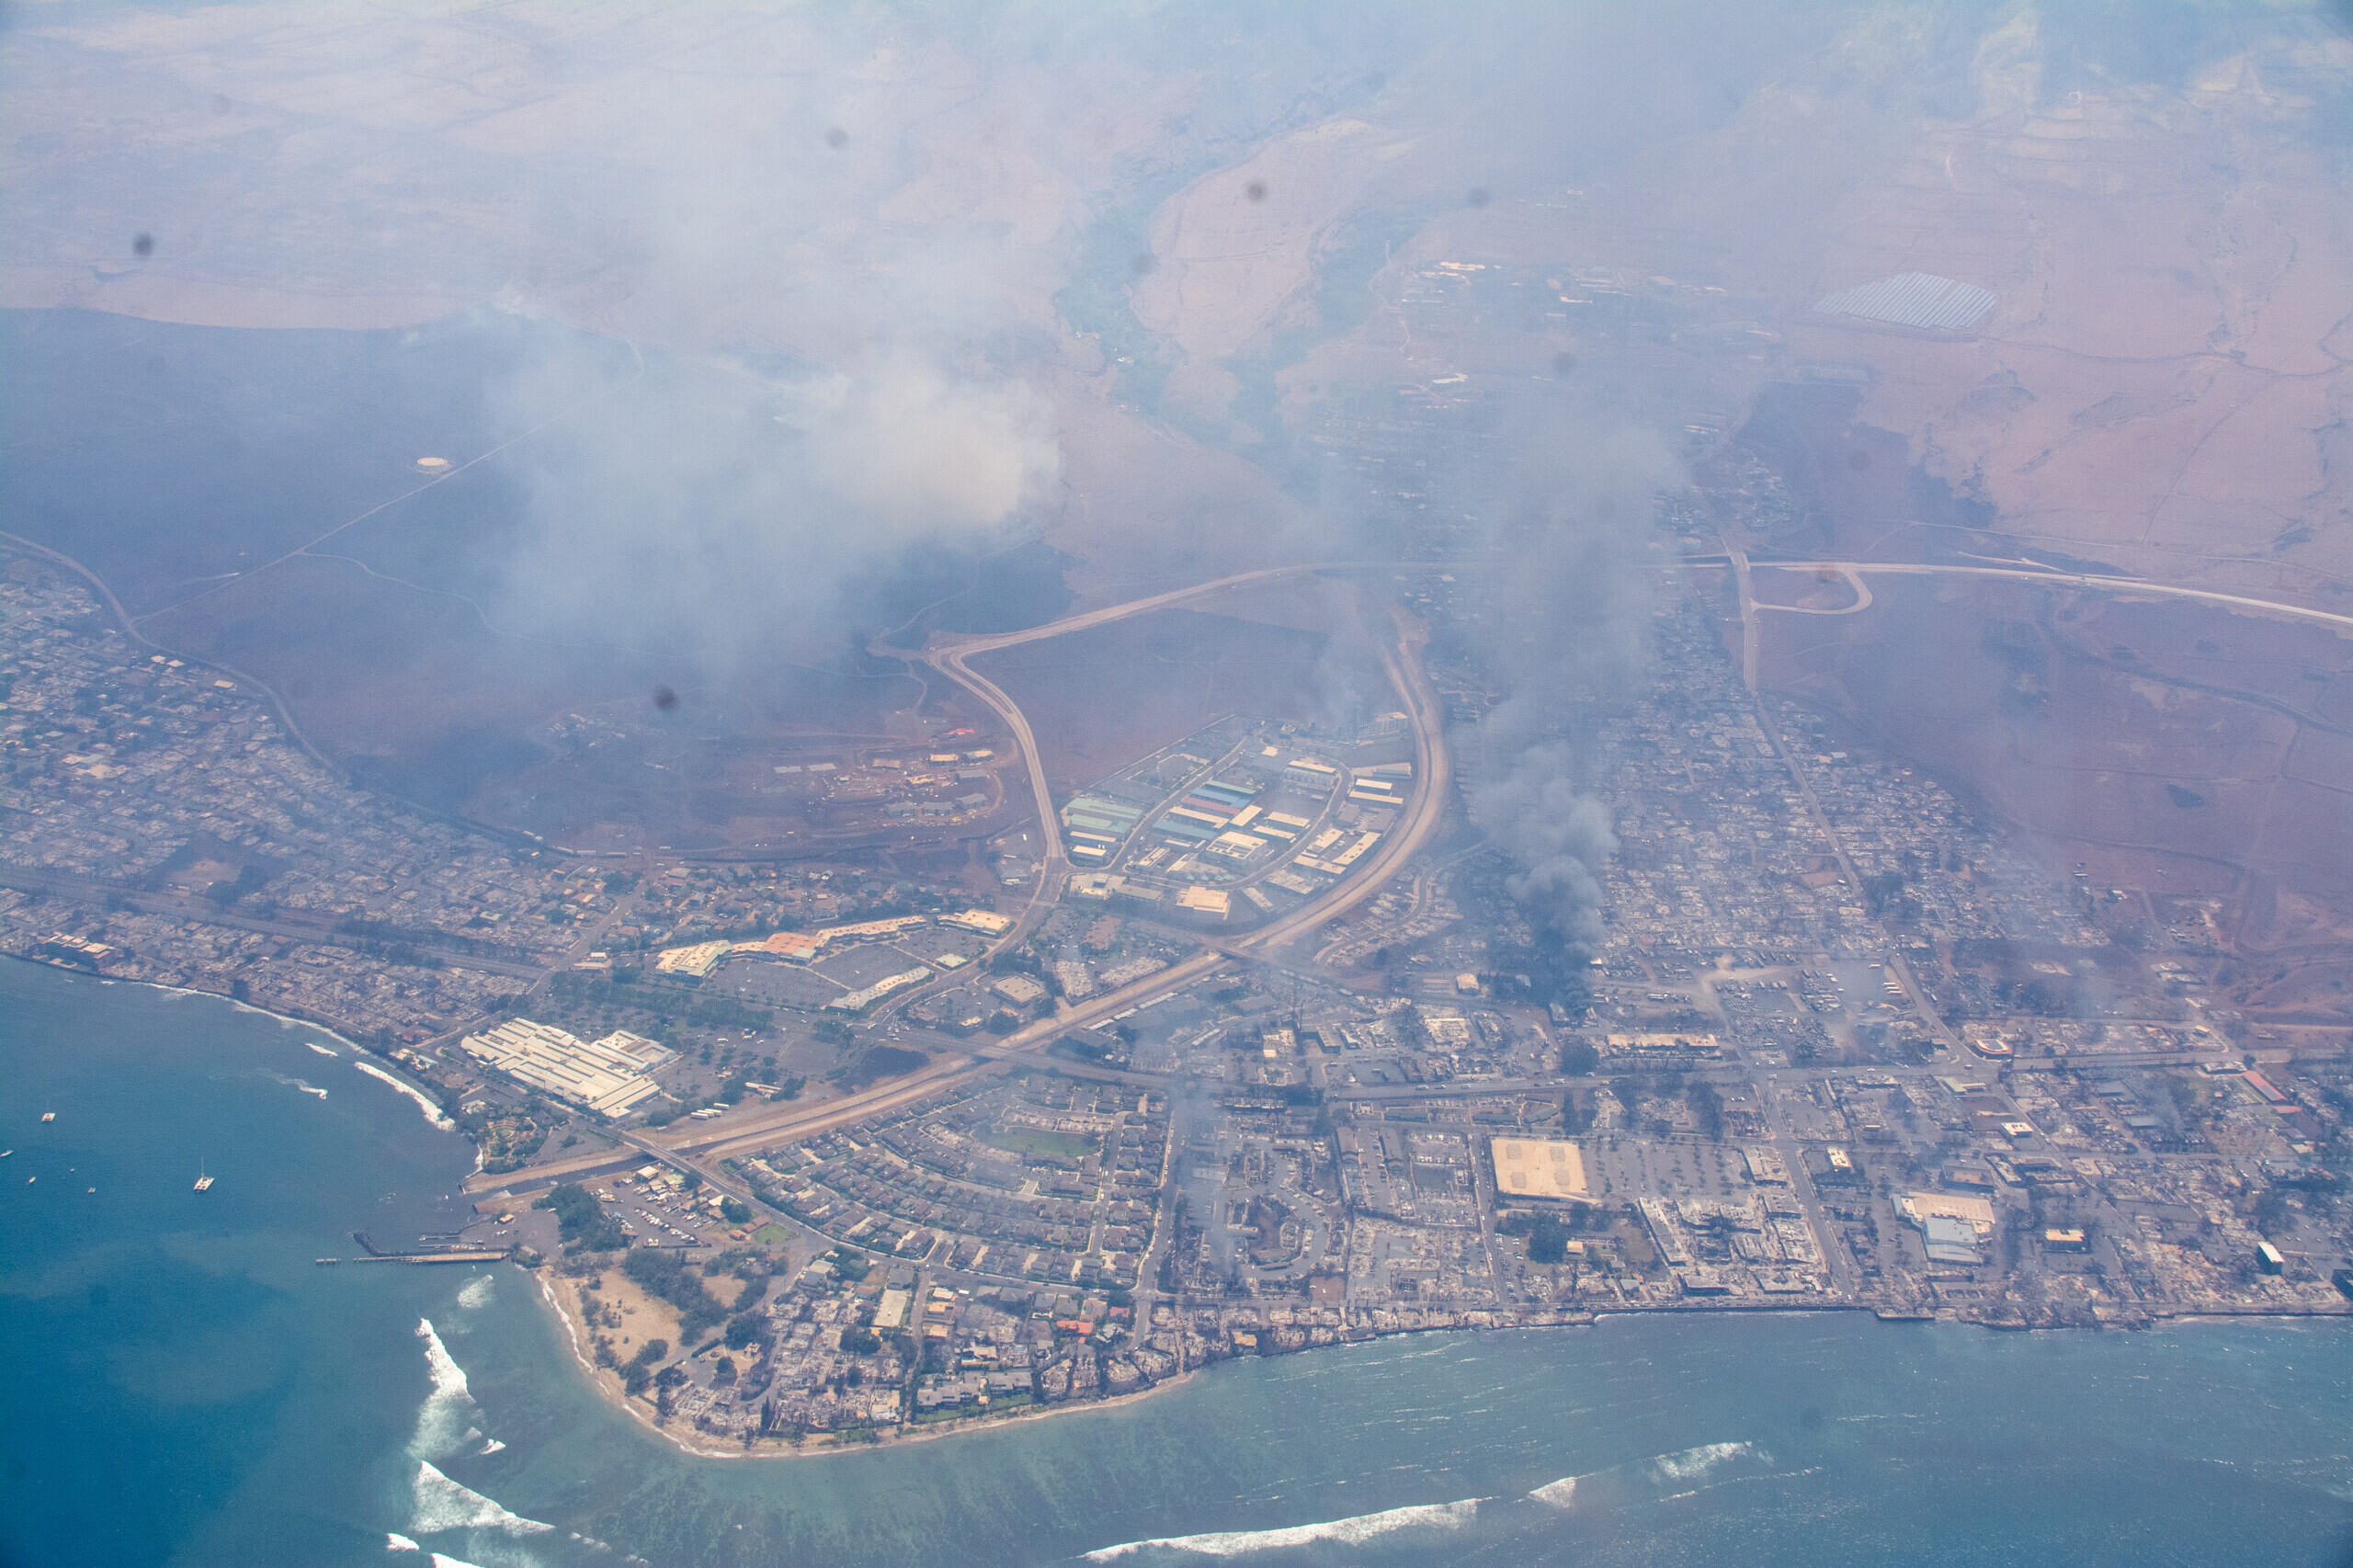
{"x":704,"y":507}
{"x":910,"y":450}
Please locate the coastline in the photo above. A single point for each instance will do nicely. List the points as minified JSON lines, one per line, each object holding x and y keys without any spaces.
{"x":1364,"y":1430}
{"x":683,"y":1437}
{"x":607,"y":1385}
{"x":291,"y":1020}
{"x":363,"y":1057}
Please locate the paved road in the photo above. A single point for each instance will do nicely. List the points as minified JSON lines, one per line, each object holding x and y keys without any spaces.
{"x":2026,"y":572}
{"x":948,"y":657}
{"x":1862,"y":600}
{"x":949,"y":662}
{"x":1948,"y":1044}
{"x":1739,"y":561}
{"x":985,"y":641}
{"x":1424,"y":810}
{"x":1835,"y":1258}
{"x":1433,"y":779}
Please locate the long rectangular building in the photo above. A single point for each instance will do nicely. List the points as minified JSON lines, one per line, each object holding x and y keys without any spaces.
{"x":697,"y":960}
{"x":609,"y":1076}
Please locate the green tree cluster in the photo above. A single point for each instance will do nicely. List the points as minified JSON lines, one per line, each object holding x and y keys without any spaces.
{"x":581,"y":1220}
{"x":661,"y":1273}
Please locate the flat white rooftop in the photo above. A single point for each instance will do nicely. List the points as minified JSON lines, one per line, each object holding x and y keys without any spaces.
{"x":608,"y":1076}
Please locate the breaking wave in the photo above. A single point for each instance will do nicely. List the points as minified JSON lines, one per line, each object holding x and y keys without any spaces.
{"x":1646,"y":1477}
{"x":394,"y":1541}
{"x":445,"y":1421}
{"x":477,"y":1292}
{"x":1560,"y":1493}
{"x":1692,"y":1463}
{"x":1348,"y":1532}
{"x":443,"y":1505}
{"x":423,"y":1103}
{"x":321,"y":1050}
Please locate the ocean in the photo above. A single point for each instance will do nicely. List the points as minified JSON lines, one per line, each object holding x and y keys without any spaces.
{"x":187,"y":1387}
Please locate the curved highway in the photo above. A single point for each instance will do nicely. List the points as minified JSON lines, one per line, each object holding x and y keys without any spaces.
{"x":1425,"y":809}
{"x":1855,"y":571}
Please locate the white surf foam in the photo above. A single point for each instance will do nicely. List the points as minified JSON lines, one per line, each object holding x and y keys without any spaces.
{"x":491,"y":1446}
{"x":477,"y":1292}
{"x":321,"y":1050}
{"x":1666,"y":1470}
{"x":443,"y":1560}
{"x":1692,"y":1463}
{"x":423,"y":1103}
{"x":445,"y":1421}
{"x":547,"y":1293}
{"x":294,"y":1083}
{"x":448,"y":1378}
{"x":443,"y":1505}
{"x":397,"y":1542}
{"x":1560,"y":1493}
{"x":1348,"y":1532}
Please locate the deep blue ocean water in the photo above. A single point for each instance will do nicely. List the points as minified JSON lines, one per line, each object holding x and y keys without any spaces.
{"x":185,"y":1386}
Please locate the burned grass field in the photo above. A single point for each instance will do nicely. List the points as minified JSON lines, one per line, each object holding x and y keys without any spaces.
{"x":1099,"y":699}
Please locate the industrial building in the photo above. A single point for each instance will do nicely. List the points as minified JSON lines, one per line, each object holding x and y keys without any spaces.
{"x":1312,"y":774}
{"x":801,"y":946}
{"x":1953,"y":1226}
{"x":696,"y":961}
{"x":1019,"y":990}
{"x":1215,"y":903}
{"x":609,"y":1076}
{"x":1095,"y":827}
{"x":1949,"y":1240}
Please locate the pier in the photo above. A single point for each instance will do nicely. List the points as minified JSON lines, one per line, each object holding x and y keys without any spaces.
{"x":466,"y":1254}
{"x":374,"y":1254}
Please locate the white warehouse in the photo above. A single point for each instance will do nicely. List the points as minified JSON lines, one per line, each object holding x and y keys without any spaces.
{"x":609,"y":1076}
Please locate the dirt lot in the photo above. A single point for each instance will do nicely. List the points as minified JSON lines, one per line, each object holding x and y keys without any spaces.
{"x":1100,"y":698}
{"x":2175,"y":748}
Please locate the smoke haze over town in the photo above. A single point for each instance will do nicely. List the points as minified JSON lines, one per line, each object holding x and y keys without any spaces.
{"x":926,"y":714}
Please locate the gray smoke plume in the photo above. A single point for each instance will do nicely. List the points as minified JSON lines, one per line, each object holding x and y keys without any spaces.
{"x":1571,"y":608}
{"x":1557,"y":837}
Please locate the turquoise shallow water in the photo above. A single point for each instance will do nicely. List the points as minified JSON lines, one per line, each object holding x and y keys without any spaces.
{"x":187,"y":1387}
